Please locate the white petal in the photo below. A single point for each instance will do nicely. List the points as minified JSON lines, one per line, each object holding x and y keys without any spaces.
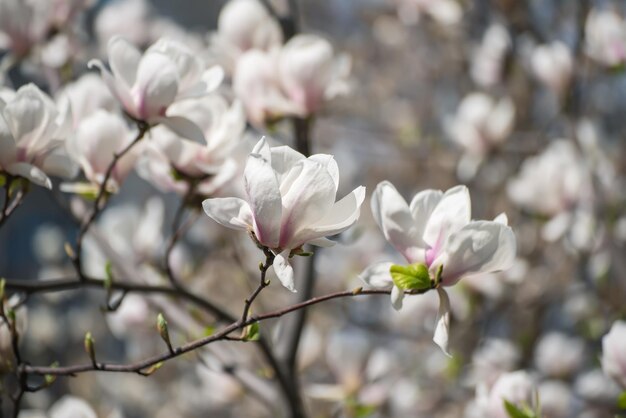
{"x":7,"y":143}
{"x":397,"y":297}
{"x":377,"y":275}
{"x":124,"y":60}
{"x":31,"y":173}
{"x":213,"y":77}
{"x":58,"y":163}
{"x":479,"y":247}
{"x":283,"y":159}
{"x":442,"y":326}
{"x":231,"y":212}
{"x":451,"y":213}
{"x":118,"y":88}
{"x":322,"y":242}
{"x":284,"y":271}
{"x":422,"y":207}
{"x":264,"y":198}
{"x":156,"y":86}
{"x":502,"y":219}
{"x":556,"y":227}
{"x":329,"y":162}
{"x":393,"y":216}
{"x":183,"y":127}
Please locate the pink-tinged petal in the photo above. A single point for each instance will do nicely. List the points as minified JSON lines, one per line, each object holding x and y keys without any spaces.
{"x":442,"y":325}
{"x":340,"y":217}
{"x":156,"y":85}
{"x":31,"y":173}
{"x":264,"y":197}
{"x":378,"y":276}
{"x":479,"y":247}
{"x":451,"y":214}
{"x":310,"y":195}
{"x":397,"y":297}
{"x":284,"y":271}
{"x":124,"y":60}
{"x":393,"y":216}
{"x":118,"y":88}
{"x":183,"y":127}
{"x":231,"y":212}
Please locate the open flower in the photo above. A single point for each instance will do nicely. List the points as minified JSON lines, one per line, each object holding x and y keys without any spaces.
{"x":23,"y":24}
{"x":32,"y":137}
{"x":290,"y":202}
{"x":148,"y":84}
{"x":436,"y":235}
{"x":613,"y":349}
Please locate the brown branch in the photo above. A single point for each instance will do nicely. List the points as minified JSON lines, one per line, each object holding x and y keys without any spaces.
{"x":263,"y":283}
{"x":101,"y":201}
{"x":223,"y":334}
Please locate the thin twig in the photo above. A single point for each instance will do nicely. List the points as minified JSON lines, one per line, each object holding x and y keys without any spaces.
{"x":263,"y":283}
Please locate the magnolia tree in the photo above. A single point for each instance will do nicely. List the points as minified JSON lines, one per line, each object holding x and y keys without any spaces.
{"x":228,"y":212}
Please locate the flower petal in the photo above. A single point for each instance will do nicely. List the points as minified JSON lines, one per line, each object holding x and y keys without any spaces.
{"x":231,"y":212}
{"x":284,"y":271}
{"x":479,"y":247}
{"x":442,"y":325}
{"x":283,"y":159}
{"x":397,"y":297}
{"x":377,"y":275}
{"x":156,"y":85}
{"x":451,"y":214}
{"x":183,"y":127}
{"x":422,"y":207}
{"x":393,"y":216}
{"x":264,"y":197}
{"x":118,"y":88}
{"x":31,"y":173}
{"x":124,"y":60}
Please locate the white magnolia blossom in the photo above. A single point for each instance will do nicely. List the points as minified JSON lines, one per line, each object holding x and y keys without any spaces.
{"x":613,"y":353}
{"x":23,"y":24}
{"x":515,"y":387}
{"x":170,"y":161}
{"x":87,"y":95}
{"x":494,"y":358}
{"x":488,"y":59}
{"x":290,"y":202}
{"x":447,"y":12}
{"x":294,"y":81}
{"x":436,"y":230}
{"x":32,"y":137}
{"x":558,"y":355}
{"x":98,"y":138}
{"x":569,"y":188}
{"x":605,"y":37}
{"x":310,"y":72}
{"x":148,"y":84}
{"x":553,"y":65}
{"x":241,"y":26}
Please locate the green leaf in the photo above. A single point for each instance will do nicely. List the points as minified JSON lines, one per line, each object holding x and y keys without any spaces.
{"x":209,"y":330}
{"x":252,"y":332}
{"x":621,"y":401}
{"x":411,"y":277}
{"x":516,"y":412}
{"x":108,"y":274}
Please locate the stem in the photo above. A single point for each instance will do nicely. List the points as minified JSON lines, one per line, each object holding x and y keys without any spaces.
{"x":100,"y":201}
{"x":263,"y":283}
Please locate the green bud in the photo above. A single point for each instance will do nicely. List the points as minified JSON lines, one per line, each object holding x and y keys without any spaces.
{"x":90,"y":347}
{"x":411,"y":277}
{"x":163,"y":331}
{"x":252,"y":332}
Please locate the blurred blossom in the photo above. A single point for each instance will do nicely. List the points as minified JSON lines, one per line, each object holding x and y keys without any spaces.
{"x":555,"y":398}
{"x":605,"y":37}
{"x":488,"y":59}
{"x":290,"y":202}
{"x":71,"y":407}
{"x":58,"y":51}
{"x":594,"y":386}
{"x":32,"y":134}
{"x":613,"y":353}
{"x":481,"y":124}
{"x":132,"y":318}
{"x":558,"y":355}
{"x":127,"y":18}
{"x":244,"y":25}
{"x":515,"y":387}
{"x":446,"y":12}
{"x":310,"y":72}
{"x":437,"y":230}
{"x":147,"y":84}
{"x":23,"y":24}
{"x":86,"y":95}
{"x":553,"y":65}
{"x":64,"y":11}
{"x":172,"y":162}
{"x":494,"y":357}
{"x":97,"y":140}
{"x":48,"y":243}
{"x":219,"y":388}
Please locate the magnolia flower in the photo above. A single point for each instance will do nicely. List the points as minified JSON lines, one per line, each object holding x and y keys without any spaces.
{"x":516,"y":388}
{"x":557,"y":355}
{"x":488,"y":59}
{"x":435,"y":232}
{"x":613,"y":349}
{"x":171,"y":160}
{"x":97,"y":140}
{"x":290,"y":202}
{"x":553,"y":65}
{"x":257,"y":85}
{"x":23,"y":24}
{"x":605,"y":37}
{"x":147,"y":85}
{"x":447,"y":12}
{"x":85,"y":96}
{"x":310,"y":73}
{"x":32,"y":133}
{"x":481,"y":124}
{"x":243,"y":25}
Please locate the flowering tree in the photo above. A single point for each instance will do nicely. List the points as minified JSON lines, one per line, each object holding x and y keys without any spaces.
{"x":163,"y":180}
